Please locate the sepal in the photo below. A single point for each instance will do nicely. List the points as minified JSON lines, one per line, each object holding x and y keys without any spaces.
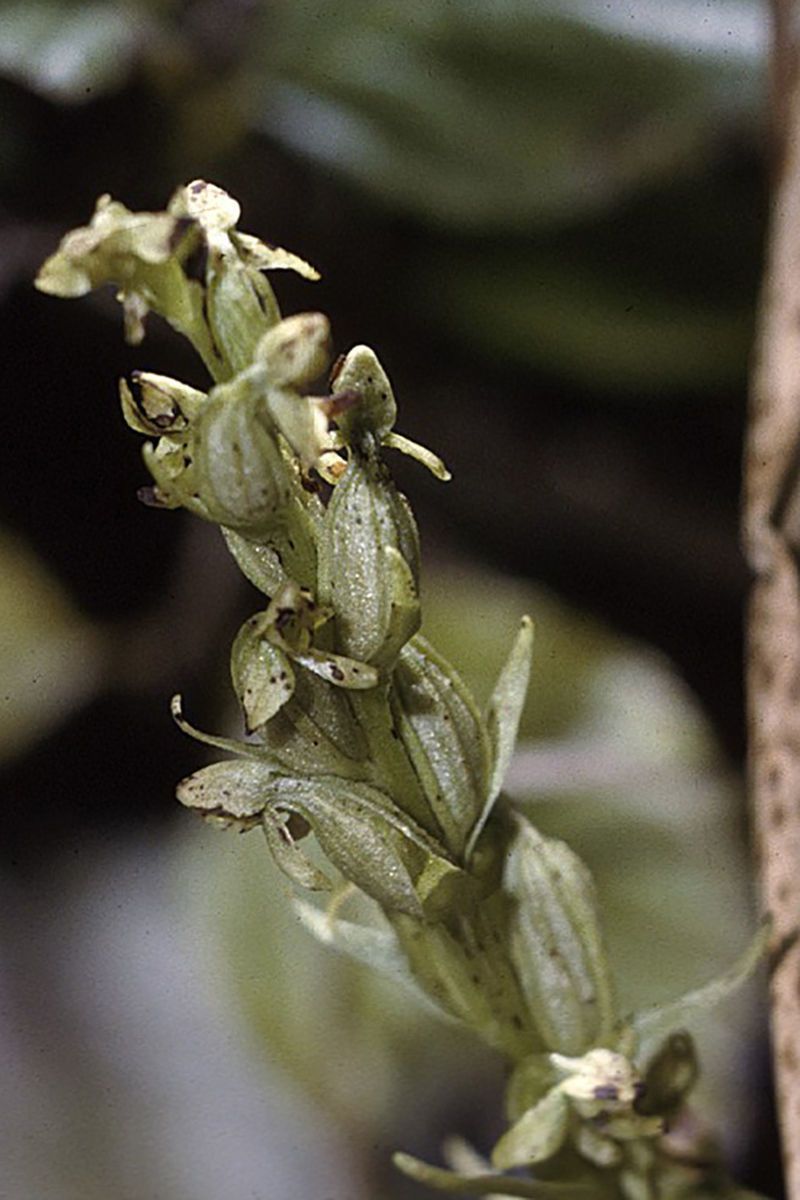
{"x":296,"y":351}
{"x":288,"y":856}
{"x":260,"y":561}
{"x":262,"y":675}
{"x":229,"y":793}
{"x":373,"y":410}
{"x":236,"y":468}
{"x":531,"y":1078}
{"x":537,"y":1135}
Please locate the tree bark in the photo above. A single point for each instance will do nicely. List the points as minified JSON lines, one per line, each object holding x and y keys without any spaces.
{"x":771,"y":523}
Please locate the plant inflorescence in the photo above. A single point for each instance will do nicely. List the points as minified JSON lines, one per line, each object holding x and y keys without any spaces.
{"x":364,"y":742}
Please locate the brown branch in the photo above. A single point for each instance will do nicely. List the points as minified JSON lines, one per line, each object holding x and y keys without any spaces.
{"x":772,"y":472}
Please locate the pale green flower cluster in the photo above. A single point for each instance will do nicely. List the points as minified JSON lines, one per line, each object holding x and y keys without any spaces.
{"x":361,"y":741}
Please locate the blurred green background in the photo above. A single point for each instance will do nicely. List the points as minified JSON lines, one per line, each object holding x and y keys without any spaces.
{"x":547,"y":217}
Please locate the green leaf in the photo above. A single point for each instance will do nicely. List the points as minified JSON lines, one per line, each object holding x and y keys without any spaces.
{"x":544,"y":85}
{"x":600,"y":327}
{"x":487,"y":1185}
{"x":445,"y":739}
{"x":503,"y":716}
{"x":375,"y":948}
{"x":653,"y":1023}
{"x":537,"y":1135}
{"x":52,"y":659}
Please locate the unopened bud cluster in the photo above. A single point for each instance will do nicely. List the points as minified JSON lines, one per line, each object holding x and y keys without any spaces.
{"x":357,"y":731}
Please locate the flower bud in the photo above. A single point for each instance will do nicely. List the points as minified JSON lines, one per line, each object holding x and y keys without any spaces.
{"x":556,"y":943}
{"x":445,"y":739}
{"x":296,"y":351}
{"x":365,"y":409}
{"x":369,"y":563}
{"x":238,"y":471}
{"x":374,"y":411}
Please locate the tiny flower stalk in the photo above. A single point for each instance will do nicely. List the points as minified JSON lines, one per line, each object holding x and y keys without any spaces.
{"x":358,"y":734}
